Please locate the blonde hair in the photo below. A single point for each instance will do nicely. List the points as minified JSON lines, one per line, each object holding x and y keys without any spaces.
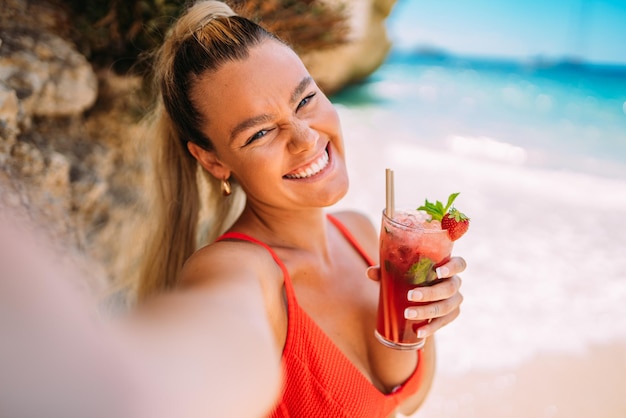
{"x":205,"y":37}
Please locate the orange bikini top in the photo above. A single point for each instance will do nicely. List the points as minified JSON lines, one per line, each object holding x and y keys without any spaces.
{"x":319,"y":380}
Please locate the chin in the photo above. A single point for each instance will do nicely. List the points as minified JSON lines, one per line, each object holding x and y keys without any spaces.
{"x":336,"y":192}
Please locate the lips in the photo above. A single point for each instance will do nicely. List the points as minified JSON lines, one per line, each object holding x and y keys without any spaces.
{"x":311,"y":169}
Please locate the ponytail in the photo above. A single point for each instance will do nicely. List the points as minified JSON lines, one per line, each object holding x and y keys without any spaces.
{"x":188,"y":207}
{"x":177,"y":205}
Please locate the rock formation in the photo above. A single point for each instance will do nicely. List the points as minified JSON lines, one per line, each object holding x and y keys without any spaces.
{"x":70,"y":153}
{"x":366,"y":51}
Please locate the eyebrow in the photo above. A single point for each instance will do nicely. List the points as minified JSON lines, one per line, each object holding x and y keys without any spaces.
{"x":295,"y":96}
{"x":257,"y":120}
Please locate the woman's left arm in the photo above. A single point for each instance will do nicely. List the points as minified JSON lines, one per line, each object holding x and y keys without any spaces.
{"x":441,"y":306}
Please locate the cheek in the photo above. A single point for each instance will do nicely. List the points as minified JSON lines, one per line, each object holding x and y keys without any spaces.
{"x":328,"y":121}
{"x":254,"y":171}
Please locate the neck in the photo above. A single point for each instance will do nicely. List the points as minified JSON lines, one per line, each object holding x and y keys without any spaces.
{"x":304,"y":229}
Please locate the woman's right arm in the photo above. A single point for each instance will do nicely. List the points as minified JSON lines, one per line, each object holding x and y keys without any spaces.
{"x":202,"y":351}
{"x":207,"y":349}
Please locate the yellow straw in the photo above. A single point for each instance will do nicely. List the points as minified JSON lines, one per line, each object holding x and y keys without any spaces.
{"x":389,"y":208}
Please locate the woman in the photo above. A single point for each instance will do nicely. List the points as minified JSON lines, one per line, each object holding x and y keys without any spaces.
{"x":240,"y":104}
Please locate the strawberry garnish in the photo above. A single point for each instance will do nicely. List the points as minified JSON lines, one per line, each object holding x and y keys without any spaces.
{"x":451,"y":219}
{"x":456,"y":223}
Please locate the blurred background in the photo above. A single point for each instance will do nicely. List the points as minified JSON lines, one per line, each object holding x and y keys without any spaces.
{"x":521,"y":107}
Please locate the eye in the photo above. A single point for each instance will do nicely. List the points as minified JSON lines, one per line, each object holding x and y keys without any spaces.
{"x":257,"y":135}
{"x":306,"y":100}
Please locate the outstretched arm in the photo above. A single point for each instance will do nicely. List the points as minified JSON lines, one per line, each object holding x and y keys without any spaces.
{"x":205,"y":352}
{"x":197,"y":352}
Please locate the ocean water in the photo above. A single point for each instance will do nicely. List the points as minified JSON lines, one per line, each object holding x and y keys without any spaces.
{"x":558,"y":115}
{"x":538,"y":152}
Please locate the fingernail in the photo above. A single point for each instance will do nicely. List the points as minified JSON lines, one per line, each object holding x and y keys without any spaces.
{"x":421,"y":333}
{"x":410,"y":313}
{"x":442,"y":272}
{"x":414,"y":295}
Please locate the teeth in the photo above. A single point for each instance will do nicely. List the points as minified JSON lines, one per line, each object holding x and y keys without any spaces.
{"x":312,"y":170}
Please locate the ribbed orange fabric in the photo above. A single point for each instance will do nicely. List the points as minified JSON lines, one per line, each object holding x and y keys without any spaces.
{"x":319,"y":380}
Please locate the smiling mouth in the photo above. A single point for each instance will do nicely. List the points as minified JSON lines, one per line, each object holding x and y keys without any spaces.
{"x":312,"y":169}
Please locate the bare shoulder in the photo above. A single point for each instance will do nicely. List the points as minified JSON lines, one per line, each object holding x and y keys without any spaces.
{"x":242,"y":274}
{"x":199,"y":337}
{"x":228,"y":262}
{"x":361,"y":226}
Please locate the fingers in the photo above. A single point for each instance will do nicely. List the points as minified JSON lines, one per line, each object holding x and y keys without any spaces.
{"x":440,"y":305}
{"x":437,"y":323}
{"x":434,"y":310}
{"x":439,"y":291}
{"x":456,"y":265}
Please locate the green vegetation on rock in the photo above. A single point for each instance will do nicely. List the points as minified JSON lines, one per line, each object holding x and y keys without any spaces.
{"x":116,"y":33}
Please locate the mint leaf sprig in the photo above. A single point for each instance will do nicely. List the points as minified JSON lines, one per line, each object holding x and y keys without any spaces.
{"x":437,"y":210}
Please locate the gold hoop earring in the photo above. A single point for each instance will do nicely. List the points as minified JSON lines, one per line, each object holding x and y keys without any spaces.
{"x":226,"y":189}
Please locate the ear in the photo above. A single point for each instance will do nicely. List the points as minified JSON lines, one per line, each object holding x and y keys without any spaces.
{"x":209,"y":161}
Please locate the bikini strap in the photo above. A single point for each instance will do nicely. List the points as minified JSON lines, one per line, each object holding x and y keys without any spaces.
{"x":291,"y":296}
{"x":351,"y":239}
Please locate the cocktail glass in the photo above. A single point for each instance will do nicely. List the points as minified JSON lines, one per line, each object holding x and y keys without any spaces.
{"x":411,"y":248}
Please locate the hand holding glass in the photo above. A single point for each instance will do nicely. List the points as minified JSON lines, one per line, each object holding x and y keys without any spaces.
{"x":411,"y":249}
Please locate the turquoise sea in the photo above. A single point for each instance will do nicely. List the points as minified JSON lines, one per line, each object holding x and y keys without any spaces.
{"x":561,"y":115}
{"x":537,"y":149}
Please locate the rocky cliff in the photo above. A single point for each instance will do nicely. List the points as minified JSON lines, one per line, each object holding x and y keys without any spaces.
{"x":69,"y":148}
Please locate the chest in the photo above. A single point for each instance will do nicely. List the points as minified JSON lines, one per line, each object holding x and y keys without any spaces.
{"x":340,"y":300}
{"x":330,"y":294}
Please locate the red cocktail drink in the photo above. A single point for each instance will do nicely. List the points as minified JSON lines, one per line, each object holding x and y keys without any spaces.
{"x":412,"y":246}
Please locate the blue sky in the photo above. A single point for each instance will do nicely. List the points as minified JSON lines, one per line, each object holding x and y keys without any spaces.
{"x":594,"y":30}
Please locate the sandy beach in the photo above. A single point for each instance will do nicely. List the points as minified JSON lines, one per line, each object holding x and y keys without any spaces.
{"x":542,"y":331}
{"x":551,"y":384}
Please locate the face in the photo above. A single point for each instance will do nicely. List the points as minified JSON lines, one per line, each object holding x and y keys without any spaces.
{"x":273,"y":130}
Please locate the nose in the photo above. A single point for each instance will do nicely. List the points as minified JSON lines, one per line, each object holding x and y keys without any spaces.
{"x":303,"y":137}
